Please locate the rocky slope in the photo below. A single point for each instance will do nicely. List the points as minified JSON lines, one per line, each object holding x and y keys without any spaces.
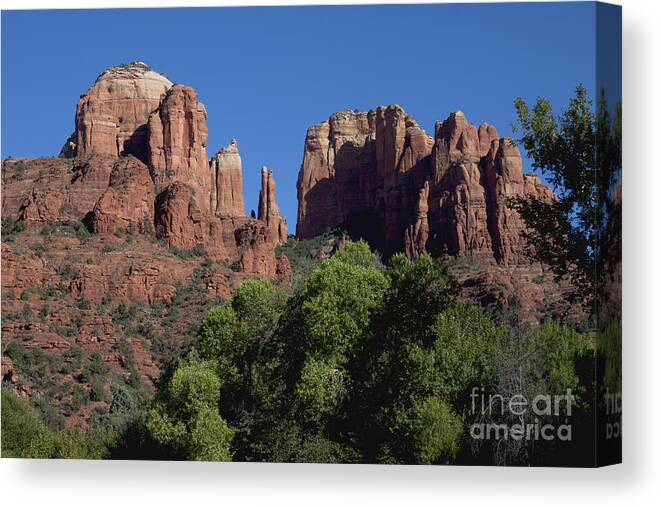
{"x":113,"y":251}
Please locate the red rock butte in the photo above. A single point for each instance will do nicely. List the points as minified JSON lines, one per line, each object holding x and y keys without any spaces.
{"x":140,"y":163}
{"x":381,"y":176}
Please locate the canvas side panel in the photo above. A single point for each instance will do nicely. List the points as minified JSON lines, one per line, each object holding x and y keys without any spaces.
{"x":608,"y":272}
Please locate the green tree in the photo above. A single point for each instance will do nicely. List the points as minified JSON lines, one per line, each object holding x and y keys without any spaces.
{"x":74,"y":443}
{"x":579,"y":153}
{"x":238,"y":338}
{"x":552,"y":352}
{"x":24,"y":434}
{"x":406,"y":406}
{"x":437,"y":432}
{"x":551,"y":361}
{"x":324,"y":326}
{"x":339,"y":301}
{"x":185,"y":416}
{"x":464,"y":347}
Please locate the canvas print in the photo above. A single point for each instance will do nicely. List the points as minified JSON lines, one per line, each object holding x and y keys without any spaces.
{"x":385,"y":234}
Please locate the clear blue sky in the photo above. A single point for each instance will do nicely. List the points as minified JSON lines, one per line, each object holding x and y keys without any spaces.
{"x":266,"y":74}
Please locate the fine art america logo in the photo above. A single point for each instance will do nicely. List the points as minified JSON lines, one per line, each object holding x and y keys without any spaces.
{"x":519,"y":418}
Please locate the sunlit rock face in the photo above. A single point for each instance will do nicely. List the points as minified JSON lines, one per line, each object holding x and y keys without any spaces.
{"x":112,"y":116}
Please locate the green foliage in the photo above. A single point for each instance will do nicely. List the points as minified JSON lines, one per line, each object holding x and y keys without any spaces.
{"x":242,"y":325}
{"x":321,"y":387}
{"x":579,"y":153}
{"x":464,"y":347}
{"x":97,"y":389}
{"x":11,"y":227}
{"x":67,"y":271}
{"x":338,"y":302}
{"x":26,"y":314}
{"x":609,"y":350}
{"x":306,"y":254}
{"x":419,"y":291}
{"x":186,"y":418}
{"x":38,"y":250}
{"x":83,"y":303}
{"x":95,"y":366}
{"x":437,"y":432}
{"x":24,"y":434}
{"x":47,"y":292}
{"x":218,"y":331}
{"x":239,"y":338}
{"x":539,"y":279}
{"x":361,"y":363}
{"x":19,"y":169}
{"x":553,"y":349}
{"x":111,"y":247}
{"x":82,"y":232}
{"x":74,"y":443}
{"x":287,"y":442}
{"x":422,"y":335}
{"x":188,"y":253}
{"x":125,"y":315}
{"x":209,"y":436}
{"x":147,"y":225}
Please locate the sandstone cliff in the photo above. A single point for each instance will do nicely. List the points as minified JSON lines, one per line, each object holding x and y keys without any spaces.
{"x":177,"y":145}
{"x":379,"y":175}
{"x":128,"y":203}
{"x":140,"y":163}
{"x":112,"y":116}
{"x":227,"y":171}
{"x":268,"y":210}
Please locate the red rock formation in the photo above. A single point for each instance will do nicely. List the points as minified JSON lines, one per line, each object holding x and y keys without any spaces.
{"x":20,"y":273}
{"x":49,"y":189}
{"x":417,"y":234}
{"x":181,"y":223}
{"x":128,"y":203}
{"x":459,"y":207}
{"x":486,"y":134}
{"x":360,"y":169}
{"x":268,"y":210}
{"x":226,"y":169}
{"x":42,"y":206}
{"x":91,"y":177}
{"x":178,"y":145}
{"x":374,"y":170}
{"x":332,"y":160}
{"x":111,"y":117}
{"x":133,"y":278}
{"x":257,"y":253}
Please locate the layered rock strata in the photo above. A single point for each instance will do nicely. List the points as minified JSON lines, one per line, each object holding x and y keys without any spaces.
{"x":112,"y":116}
